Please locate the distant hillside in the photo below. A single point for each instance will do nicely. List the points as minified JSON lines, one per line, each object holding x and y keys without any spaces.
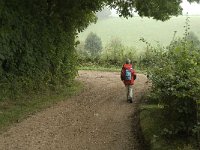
{"x":131,"y":30}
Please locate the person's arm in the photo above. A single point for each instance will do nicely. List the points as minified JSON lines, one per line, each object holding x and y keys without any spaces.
{"x":134,"y":74}
{"x":122,"y":73}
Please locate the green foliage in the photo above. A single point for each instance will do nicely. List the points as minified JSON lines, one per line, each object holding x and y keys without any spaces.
{"x":175,"y":73}
{"x":93,"y":45}
{"x":152,"y":123}
{"x":36,"y":51}
{"x":158,"y":9}
{"x":97,"y":67}
{"x":115,"y":53}
{"x":83,"y":55}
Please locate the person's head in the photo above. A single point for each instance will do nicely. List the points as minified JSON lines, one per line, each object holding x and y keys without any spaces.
{"x":128,"y":61}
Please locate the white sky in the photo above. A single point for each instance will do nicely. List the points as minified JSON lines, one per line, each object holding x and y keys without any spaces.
{"x":191,"y":9}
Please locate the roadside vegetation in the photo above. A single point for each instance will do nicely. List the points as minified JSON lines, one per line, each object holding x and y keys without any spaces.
{"x":170,"y":118}
{"x":110,"y":57}
{"x":14,"y":111}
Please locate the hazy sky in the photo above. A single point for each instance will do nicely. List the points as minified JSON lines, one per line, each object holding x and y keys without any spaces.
{"x":192,"y":9}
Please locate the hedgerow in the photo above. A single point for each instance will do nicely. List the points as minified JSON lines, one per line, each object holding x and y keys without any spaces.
{"x":37,"y":44}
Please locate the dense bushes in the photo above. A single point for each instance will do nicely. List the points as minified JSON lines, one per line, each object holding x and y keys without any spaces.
{"x":175,"y":75}
{"x":37,"y":40}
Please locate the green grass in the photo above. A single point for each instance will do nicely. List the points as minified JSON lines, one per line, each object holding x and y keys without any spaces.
{"x":100,"y":68}
{"x":109,"y":69}
{"x":132,"y":29}
{"x":16,"y":110}
{"x":151,"y":123}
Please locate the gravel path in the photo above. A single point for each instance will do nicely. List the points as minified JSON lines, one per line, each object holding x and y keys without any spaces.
{"x":97,"y":119}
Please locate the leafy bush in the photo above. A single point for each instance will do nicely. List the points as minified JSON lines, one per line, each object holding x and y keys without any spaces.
{"x":115,"y":53}
{"x":175,"y":73}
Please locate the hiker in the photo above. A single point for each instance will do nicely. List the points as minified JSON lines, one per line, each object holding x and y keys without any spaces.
{"x":128,"y":76}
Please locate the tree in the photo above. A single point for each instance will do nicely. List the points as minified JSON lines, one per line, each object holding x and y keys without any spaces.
{"x":158,"y":9}
{"x":115,"y":53}
{"x":93,"y":44}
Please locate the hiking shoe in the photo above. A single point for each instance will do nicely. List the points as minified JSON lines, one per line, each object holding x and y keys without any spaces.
{"x":130,"y":100}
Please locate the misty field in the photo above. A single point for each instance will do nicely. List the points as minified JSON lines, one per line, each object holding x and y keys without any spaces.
{"x":129,"y":31}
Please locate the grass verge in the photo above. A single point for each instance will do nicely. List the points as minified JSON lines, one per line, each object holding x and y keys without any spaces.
{"x":151,"y":122}
{"x":101,"y":68}
{"x":14,"y":111}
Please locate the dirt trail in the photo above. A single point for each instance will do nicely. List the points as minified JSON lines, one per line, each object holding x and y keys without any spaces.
{"x":97,"y":119}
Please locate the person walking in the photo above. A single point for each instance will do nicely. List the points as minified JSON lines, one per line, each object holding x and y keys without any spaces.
{"x":128,"y":75}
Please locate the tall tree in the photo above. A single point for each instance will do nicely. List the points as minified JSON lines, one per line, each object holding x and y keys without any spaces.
{"x":158,"y":9}
{"x":93,"y":44}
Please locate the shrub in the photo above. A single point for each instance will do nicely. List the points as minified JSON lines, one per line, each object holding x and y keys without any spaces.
{"x":175,"y":76}
{"x":115,"y":53}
